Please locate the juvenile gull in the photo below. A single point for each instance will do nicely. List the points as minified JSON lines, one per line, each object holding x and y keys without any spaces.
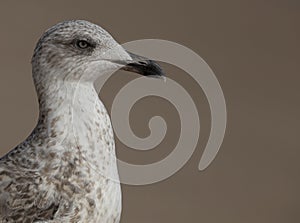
{"x":60,"y":172}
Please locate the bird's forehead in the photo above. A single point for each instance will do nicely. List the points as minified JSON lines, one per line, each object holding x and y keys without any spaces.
{"x":75,"y":28}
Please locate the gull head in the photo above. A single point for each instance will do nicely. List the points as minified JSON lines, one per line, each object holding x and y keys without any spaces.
{"x":79,"y":50}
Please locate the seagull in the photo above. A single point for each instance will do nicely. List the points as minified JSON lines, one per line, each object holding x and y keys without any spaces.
{"x":63,"y":171}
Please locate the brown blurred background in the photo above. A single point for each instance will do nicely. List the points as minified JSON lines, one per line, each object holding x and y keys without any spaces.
{"x":253,"y":48}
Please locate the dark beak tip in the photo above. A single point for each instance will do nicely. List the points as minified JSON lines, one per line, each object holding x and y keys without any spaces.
{"x":154,"y":69}
{"x":144,"y":66}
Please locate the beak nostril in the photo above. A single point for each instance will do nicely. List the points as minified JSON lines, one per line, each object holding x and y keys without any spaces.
{"x":142,"y":62}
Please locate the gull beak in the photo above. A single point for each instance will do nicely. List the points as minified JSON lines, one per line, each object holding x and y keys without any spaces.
{"x":143,"y":66}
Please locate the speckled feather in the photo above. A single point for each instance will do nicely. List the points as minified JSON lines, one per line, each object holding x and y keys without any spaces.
{"x":60,"y":173}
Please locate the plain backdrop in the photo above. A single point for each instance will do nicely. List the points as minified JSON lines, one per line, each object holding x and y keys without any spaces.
{"x":252,"y":47}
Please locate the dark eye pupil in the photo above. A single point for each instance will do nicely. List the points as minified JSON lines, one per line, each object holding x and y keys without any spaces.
{"x":82,"y":44}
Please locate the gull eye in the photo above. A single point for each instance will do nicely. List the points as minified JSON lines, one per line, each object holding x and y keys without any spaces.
{"x":82,"y":44}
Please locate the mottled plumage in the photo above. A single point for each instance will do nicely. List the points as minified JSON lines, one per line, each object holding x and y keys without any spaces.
{"x":60,"y":173}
